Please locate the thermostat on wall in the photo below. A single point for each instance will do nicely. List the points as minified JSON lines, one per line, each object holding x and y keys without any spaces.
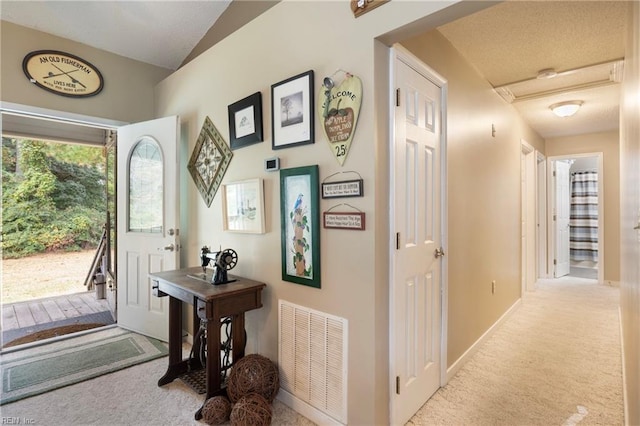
{"x":272,"y":164}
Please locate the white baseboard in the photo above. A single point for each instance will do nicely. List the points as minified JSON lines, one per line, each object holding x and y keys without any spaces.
{"x":624,"y":372}
{"x":311,"y":413}
{"x":451,"y":371}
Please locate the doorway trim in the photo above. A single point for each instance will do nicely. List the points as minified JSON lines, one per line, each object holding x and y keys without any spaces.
{"x":541,"y":215}
{"x":60,"y":116}
{"x":528,"y":246}
{"x":551,"y":205}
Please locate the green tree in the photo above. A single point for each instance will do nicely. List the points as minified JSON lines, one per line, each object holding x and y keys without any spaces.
{"x":53,"y":197}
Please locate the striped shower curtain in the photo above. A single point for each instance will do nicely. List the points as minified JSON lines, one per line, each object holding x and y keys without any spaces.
{"x":583,"y":236}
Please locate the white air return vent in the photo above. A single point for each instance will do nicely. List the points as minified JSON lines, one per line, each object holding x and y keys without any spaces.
{"x":592,"y":76}
{"x":313,"y":359}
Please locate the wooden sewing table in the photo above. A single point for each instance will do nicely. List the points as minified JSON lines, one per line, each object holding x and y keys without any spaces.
{"x":211,"y":303}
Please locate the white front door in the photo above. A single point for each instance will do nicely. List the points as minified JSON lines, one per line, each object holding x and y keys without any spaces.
{"x":562,"y":216}
{"x":416,"y":260}
{"x":147,"y":221}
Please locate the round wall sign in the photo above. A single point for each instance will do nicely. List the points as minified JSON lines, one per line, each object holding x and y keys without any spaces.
{"x":62,"y":73}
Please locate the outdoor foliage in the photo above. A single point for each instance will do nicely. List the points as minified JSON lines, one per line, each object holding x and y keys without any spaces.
{"x":53,"y":197}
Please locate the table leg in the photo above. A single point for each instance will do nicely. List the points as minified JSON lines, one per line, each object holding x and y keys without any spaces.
{"x":213,"y":361}
{"x":176,"y":365}
{"x":237,"y":330}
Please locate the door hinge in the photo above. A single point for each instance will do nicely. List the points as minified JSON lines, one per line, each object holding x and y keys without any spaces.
{"x":554,"y":173}
{"x":397,"y":241}
{"x":398,"y":97}
{"x":555,"y":262}
{"x":398,"y":385}
{"x":554,"y":217}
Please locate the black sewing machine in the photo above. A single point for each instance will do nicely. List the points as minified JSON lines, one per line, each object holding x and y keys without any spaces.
{"x":223,"y":261}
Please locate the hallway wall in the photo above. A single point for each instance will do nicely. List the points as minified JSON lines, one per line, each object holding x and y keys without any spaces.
{"x":484,"y":202}
{"x":608,"y":144}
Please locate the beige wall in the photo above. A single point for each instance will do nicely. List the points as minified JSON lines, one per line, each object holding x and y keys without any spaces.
{"x":608,"y":144}
{"x":630,"y":216}
{"x":128,"y":85}
{"x":290,"y":38}
{"x":484,"y":194}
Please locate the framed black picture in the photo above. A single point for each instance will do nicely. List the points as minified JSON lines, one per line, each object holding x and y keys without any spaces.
{"x":300,"y":225}
{"x":292,"y":118}
{"x":245,"y":121}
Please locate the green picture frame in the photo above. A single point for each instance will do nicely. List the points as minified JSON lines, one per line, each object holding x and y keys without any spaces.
{"x":300,"y":225}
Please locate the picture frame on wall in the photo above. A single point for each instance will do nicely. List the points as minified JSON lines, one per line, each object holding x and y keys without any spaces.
{"x":245,"y":121}
{"x":243,"y":206}
{"x":300,"y":225}
{"x":292,"y":118}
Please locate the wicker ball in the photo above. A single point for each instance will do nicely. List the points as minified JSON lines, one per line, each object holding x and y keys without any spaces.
{"x":253,"y":373}
{"x":216,"y":410}
{"x":251,"y":410}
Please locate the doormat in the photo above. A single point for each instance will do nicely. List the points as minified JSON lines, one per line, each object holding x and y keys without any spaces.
{"x":103,"y":317}
{"x":52,"y":332}
{"x":41,"y":369}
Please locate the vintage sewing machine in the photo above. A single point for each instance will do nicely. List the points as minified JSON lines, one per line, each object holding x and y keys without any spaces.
{"x":223,"y":261}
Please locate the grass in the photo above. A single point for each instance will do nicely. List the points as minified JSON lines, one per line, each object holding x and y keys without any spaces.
{"x":44,"y":275}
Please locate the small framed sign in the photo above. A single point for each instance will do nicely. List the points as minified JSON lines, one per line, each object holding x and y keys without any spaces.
{"x":338,"y":220}
{"x":345,"y":188}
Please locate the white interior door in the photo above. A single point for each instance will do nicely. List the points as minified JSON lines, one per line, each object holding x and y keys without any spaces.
{"x":562,"y":216}
{"x":416,"y":271}
{"x":147,"y":221}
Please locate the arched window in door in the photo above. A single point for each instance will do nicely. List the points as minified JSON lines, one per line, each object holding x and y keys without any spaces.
{"x":145,"y":187}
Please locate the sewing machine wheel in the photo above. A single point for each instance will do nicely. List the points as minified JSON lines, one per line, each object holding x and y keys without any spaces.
{"x":227,"y":259}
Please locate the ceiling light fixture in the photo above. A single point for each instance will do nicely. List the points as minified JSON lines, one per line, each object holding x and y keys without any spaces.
{"x":566,"y":109}
{"x":546,"y":73}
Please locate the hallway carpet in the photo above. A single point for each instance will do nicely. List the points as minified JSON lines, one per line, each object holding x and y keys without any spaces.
{"x":556,"y":361}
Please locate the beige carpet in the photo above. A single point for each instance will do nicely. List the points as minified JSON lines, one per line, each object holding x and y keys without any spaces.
{"x":126,"y":397}
{"x":557,"y":361}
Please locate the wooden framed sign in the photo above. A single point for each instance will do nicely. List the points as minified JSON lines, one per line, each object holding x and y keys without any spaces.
{"x":340,"y":220}
{"x":345,"y":188}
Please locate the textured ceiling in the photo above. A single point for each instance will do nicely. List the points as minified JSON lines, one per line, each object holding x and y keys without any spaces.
{"x":507,"y":43}
{"x":512,"y":41}
{"x":161,"y":33}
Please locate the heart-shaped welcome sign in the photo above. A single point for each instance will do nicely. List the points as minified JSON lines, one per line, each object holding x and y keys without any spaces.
{"x":339,"y":108}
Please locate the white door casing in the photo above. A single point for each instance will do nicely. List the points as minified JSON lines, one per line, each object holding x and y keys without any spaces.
{"x":562,"y":212}
{"x":541,"y":208}
{"x":147,"y":221}
{"x":528,"y":215}
{"x":416,"y":272}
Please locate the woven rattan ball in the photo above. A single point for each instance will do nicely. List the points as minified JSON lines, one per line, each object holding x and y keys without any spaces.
{"x":251,"y":410}
{"x":216,"y":410}
{"x":253,"y":373}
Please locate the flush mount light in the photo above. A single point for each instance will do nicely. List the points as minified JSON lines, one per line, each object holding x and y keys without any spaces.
{"x":565,"y":109}
{"x":546,"y":73}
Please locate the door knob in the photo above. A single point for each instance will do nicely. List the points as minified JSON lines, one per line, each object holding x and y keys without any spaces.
{"x":439,"y":252}
{"x":170,"y":247}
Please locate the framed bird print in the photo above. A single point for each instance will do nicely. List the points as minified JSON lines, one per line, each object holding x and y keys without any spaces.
{"x":300,"y":225}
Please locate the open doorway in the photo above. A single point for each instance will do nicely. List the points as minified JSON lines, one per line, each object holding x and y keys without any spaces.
{"x":576,"y":213}
{"x":57,"y":193}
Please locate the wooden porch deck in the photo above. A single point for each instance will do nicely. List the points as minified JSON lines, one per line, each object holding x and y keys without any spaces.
{"x":43,"y":311}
